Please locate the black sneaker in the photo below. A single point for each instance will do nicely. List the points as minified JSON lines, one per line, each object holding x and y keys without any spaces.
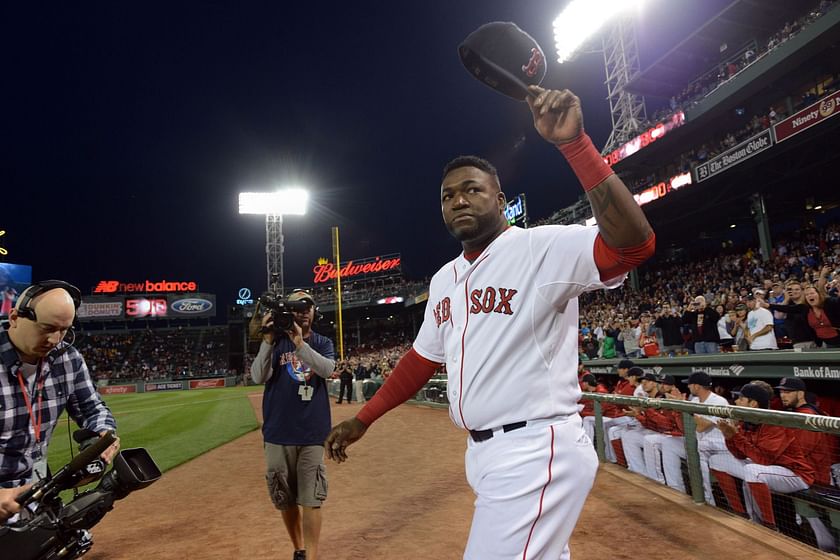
{"x":299,"y":555}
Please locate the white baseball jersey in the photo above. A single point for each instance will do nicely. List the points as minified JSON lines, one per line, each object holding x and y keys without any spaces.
{"x":506,"y":325}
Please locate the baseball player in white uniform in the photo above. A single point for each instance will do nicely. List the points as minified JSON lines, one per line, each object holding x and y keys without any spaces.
{"x":710,"y":440}
{"x":503,"y":317}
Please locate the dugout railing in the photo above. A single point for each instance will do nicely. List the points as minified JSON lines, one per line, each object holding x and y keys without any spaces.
{"x":815,"y":502}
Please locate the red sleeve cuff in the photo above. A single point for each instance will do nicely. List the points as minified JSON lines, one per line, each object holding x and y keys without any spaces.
{"x":408,"y":377}
{"x":615,"y":261}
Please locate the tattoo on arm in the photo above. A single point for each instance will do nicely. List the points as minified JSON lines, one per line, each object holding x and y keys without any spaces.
{"x":620,"y":219}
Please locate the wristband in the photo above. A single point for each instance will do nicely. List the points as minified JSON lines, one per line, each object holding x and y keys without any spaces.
{"x":586,"y":161}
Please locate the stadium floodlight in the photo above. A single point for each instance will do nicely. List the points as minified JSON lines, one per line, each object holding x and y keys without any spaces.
{"x":274,"y":205}
{"x":284,"y":201}
{"x":583,"y":18}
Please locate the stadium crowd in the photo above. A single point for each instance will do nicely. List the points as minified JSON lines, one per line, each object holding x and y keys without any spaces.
{"x":731,"y":301}
{"x":753,"y":51}
{"x":155,"y":354}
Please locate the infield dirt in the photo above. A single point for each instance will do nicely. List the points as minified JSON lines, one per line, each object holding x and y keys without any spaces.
{"x":402,"y":495}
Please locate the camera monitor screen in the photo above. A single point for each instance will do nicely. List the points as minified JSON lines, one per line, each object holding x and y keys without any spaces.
{"x":14,"y":278}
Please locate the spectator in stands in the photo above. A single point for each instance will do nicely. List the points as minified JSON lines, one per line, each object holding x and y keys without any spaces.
{"x":795,"y":310}
{"x":824,"y":316}
{"x":669,"y":323}
{"x":709,"y":439}
{"x":766,"y":457}
{"x":629,"y":335}
{"x":294,"y":364}
{"x":647,"y":338}
{"x":759,"y":326}
{"x":727,"y":329}
{"x":703,"y":320}
{"x":777,"y":295}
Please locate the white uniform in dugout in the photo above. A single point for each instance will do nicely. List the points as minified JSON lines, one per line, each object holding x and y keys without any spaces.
{"x":505,"y":325}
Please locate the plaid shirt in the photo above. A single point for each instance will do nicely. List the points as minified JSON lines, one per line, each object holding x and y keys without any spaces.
{"x":67,"y":384}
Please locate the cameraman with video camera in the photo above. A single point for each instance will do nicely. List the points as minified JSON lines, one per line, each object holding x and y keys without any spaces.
{"x":294,"y":362}
{"x":41,"y":375}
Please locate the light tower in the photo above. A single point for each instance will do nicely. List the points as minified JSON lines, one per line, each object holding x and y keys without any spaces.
{"x":273,"y":206}
{"x":582,"y":19}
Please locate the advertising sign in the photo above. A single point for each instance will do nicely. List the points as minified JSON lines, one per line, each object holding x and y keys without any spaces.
{"x":144,"y":287}
{"x":101,"y":308}
{"x":373,"y":267}
{"x":164,"y":386}
{"x":646,"y":138}
{"x":660,"y":190}
{"x":196,"y":305}
{"x":825,"y":108}
{"x":734,"y":155}
{"x":516,"y":211}
{"x":207,"y":383}
{"x":117,"y":389}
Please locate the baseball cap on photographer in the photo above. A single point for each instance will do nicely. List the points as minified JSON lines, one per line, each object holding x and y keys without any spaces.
{"x":502,"y":56}
{"x":300,"y":295}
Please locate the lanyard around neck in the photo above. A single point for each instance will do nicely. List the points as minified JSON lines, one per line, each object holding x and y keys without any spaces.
{"x":39,"y":395}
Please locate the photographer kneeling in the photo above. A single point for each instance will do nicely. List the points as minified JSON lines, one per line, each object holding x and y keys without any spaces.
{"x":40,"y":375}
{"x":296,"y":415}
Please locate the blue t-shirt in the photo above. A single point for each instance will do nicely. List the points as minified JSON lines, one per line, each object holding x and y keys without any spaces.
{"x":288,"y":420}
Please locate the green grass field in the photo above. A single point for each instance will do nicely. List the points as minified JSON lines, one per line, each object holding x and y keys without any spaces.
{"x":174,"y":427}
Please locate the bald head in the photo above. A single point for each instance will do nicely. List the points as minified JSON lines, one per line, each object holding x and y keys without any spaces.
{"x":35,"y":334}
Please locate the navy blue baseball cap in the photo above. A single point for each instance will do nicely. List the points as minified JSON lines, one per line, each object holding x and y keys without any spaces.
{"x":502,"y":56}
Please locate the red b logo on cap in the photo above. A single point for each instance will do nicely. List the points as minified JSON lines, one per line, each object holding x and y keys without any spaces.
{"x":533,"y":65}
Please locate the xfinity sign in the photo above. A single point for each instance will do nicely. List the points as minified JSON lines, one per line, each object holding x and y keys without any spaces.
{"x":244,"y":297}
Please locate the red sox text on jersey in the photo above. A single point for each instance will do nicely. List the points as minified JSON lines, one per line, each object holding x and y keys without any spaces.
{"x":485,"y":300}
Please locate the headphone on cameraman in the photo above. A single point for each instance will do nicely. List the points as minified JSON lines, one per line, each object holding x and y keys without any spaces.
{"x":25,"y":309}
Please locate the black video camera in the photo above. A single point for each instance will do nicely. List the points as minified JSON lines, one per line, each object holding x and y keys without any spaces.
{"x":48,"y":529}
{"x":282,"y":311}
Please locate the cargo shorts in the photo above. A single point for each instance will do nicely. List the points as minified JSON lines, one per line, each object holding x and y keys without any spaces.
{"x":296,"y":475}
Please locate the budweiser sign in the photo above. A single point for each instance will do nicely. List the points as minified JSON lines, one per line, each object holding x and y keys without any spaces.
{"x":383,"y":265}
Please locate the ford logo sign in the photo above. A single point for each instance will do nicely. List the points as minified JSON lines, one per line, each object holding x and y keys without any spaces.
{"x":191,"y":305}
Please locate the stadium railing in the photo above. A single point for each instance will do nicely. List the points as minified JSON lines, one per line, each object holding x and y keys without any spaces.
{"x":816,"y":502}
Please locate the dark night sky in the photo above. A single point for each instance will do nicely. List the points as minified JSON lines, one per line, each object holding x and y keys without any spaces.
{"x":127,"y":131}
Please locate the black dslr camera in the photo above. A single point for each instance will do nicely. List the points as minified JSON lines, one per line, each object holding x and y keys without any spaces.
{"x":49,"y":529}
{"x":282,"y":311}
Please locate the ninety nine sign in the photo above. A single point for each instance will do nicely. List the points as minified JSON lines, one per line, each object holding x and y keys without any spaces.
{"x":825,"y":108}
{"x":375,"y":266}
{"x":735,"y":155}
{"x":147,"y":287}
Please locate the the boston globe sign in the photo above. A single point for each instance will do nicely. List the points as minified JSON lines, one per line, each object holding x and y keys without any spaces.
{"x":735,"y":155}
